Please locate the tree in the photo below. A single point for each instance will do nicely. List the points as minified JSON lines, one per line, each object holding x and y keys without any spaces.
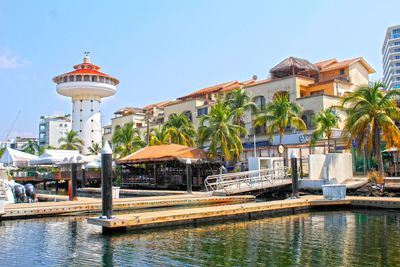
{"x":159,"y":136}
{"x":239,"y":102}
{"x":218,"y":128}
{"x":279,"y":114}
{"x":181,"y":130}
{"x":371,"y":116}
{"x":71,"y":141}
{"x":324,"y":122}
{"x":127,"y":140}
{"x":32,"y":147}
{"x":2,"y":150}
{"x":95,"y":149}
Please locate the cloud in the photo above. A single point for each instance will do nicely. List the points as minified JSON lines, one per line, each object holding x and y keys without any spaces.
{"x":8,"y":61}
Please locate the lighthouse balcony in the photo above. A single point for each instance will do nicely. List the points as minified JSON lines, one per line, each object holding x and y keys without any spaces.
{"x":86,"y":88}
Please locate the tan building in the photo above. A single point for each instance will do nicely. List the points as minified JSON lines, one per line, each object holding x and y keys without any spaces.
{"x":314,"y":86}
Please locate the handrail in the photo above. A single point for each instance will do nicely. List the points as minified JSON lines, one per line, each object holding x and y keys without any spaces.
{"x":245,"y":181}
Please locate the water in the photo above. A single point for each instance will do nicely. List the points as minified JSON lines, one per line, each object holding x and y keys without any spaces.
{"x":330,"y":238}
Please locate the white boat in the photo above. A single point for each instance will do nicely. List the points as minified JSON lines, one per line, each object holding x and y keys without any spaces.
{"x":6,"y":194}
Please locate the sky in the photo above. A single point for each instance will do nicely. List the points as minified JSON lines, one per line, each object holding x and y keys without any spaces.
{"x":160,"y":50}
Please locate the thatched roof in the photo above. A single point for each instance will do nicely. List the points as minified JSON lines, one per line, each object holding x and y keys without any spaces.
{"x":164,"y":153}
{"x":292,"y":66}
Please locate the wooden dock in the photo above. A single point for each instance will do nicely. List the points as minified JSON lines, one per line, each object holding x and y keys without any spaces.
{"x":244,"y":210}
{"x":41,"y":209}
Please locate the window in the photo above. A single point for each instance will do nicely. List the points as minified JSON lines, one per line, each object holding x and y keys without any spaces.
{"x":397,"y":57}
{"x":94,"y":78}
{"x":260,"y":102}
{"x":341,"y":72}
{"x":397,"y":71}
{"x":139,"y":125}
{"x":65,"y":79}
{"x":78,"y":78}
{"x":397,"y":79}
{"x":42,"y":127}
{"x":397,"y":64}
{"x":320,"y":92}
{"x":396,"y":86}
{"x":396,"y":33}
{"x":71,"y":78}
{"x":396,"y":43}
{"x":86,"y":78}
{"x":202,"y":111}
{"x":260,"y":129}
{"x":396,"y":50}
{"x":188,"y":114}
{"x":101,"y":79}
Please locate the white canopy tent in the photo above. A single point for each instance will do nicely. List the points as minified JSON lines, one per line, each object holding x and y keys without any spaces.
{"x":13,"y":157}
{"x":54,"y":157}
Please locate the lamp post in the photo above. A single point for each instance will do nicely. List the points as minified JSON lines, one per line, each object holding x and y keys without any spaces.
{"x":106,"y":181}
{"x":189,"y":175}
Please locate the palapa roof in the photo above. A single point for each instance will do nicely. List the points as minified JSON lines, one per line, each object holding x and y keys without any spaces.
{"x":164,"y":153}
{"x":291,"y":66}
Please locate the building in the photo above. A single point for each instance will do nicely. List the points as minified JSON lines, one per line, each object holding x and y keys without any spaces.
{"x":52,"y":128}
{"x":391,"y":58}
{"x":18,"y":143}
{"x":314,"y":86}
{"x":86,"y":85}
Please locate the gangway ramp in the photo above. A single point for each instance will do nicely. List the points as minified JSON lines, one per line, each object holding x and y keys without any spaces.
{"x":249,"y":181}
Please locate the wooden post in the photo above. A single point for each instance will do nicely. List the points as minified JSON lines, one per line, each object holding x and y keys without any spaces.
{"x":295,"y":175}
{"x":83,"y":176}
{"x":106,"y":181}
{"x":74,"y":183}
{"x":189,"y":175}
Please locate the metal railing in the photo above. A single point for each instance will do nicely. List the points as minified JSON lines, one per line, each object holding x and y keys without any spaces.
{"x":231,"y":183}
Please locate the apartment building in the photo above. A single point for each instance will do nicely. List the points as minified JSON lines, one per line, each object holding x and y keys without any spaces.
{"x":52,"y":128}
{"x":314,"y":86}
{"x":391,"y":58}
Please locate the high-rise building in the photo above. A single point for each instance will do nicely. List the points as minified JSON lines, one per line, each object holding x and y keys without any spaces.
{"x":391,"y":58}
{"x":52,"y":128}
{"x":86,"y":85}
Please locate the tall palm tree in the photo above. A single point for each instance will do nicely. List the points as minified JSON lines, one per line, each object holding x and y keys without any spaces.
{"x":372,"y":112}
{"x":181,"y":130}
{"x":218,"y":128}
{"x":324,"y":122}
{"x":159,"y":136}
{"x":239,"y":101}
{"x":279,"y":114}
{"x":71,"y":141}
{"x":95,"y":149}
{"x":127,"y":140}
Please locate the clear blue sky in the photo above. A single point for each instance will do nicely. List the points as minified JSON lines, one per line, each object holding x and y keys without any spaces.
{"x":164,"y":49}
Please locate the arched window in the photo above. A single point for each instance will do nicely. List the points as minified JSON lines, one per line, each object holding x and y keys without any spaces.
{"x":94,"y":78}
{"x":281,"y":93}
{"x":86,"y":78}
{"x":188,"y":114}
{"x":71,"y":78}
{"x":79,"y":78}
{"x":260,"y":102}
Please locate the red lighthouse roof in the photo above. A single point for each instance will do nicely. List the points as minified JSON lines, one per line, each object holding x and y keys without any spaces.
{"x":85,"y":68}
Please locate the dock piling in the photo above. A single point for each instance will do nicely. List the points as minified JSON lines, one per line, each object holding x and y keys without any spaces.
{"x":73,"y":195}
{"x":189,"y":175}
{"x":295,"y":175}
{"x":106,"y":181}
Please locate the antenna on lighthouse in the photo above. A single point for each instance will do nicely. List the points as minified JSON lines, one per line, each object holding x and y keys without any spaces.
{"x":86,"y":58}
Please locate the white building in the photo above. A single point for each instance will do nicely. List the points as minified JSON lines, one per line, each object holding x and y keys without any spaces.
{"x":391,"y":58}
{"x":52,"y":128}
{"x":86,"y":85}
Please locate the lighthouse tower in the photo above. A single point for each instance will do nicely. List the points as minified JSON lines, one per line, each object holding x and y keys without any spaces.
{"x":86,"y":85}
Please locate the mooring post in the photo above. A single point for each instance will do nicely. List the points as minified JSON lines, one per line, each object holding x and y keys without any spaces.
{"x":189,"y":175}
{"x":74,"y":183}
{"x":295,"y":175}
{"x":106,"y":181}
{"x":83,"y":176}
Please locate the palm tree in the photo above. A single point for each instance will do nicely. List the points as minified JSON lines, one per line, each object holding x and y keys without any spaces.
{"x":32,"y":147}
{"x":71,"y":141}
{"x":159,"y":136}
{"x":278,"y":115}
{"x":371,"y":111}
{"x":2,"y":150}
{"x":324,"y":122}
{"x":95,"y":149}
{"x":218,"y":128}
{"x":181,"y":130}
{"x":239,"y":101}
{"x":127,"y":140}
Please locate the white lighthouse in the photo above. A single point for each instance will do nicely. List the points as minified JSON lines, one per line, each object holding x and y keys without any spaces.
{"x":86,"y":85}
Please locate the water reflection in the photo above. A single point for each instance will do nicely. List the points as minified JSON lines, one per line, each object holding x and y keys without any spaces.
{"x":333,"y":238}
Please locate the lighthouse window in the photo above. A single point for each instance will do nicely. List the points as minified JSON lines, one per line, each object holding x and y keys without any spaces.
{"x":65,"y":79}
{"x":71,"y":78}
{"x":94,"y":78}
{"x":86,"y":78}
{"x":78,"y":78}
{"x":101,"y":79}
{"x":107,"y":80}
